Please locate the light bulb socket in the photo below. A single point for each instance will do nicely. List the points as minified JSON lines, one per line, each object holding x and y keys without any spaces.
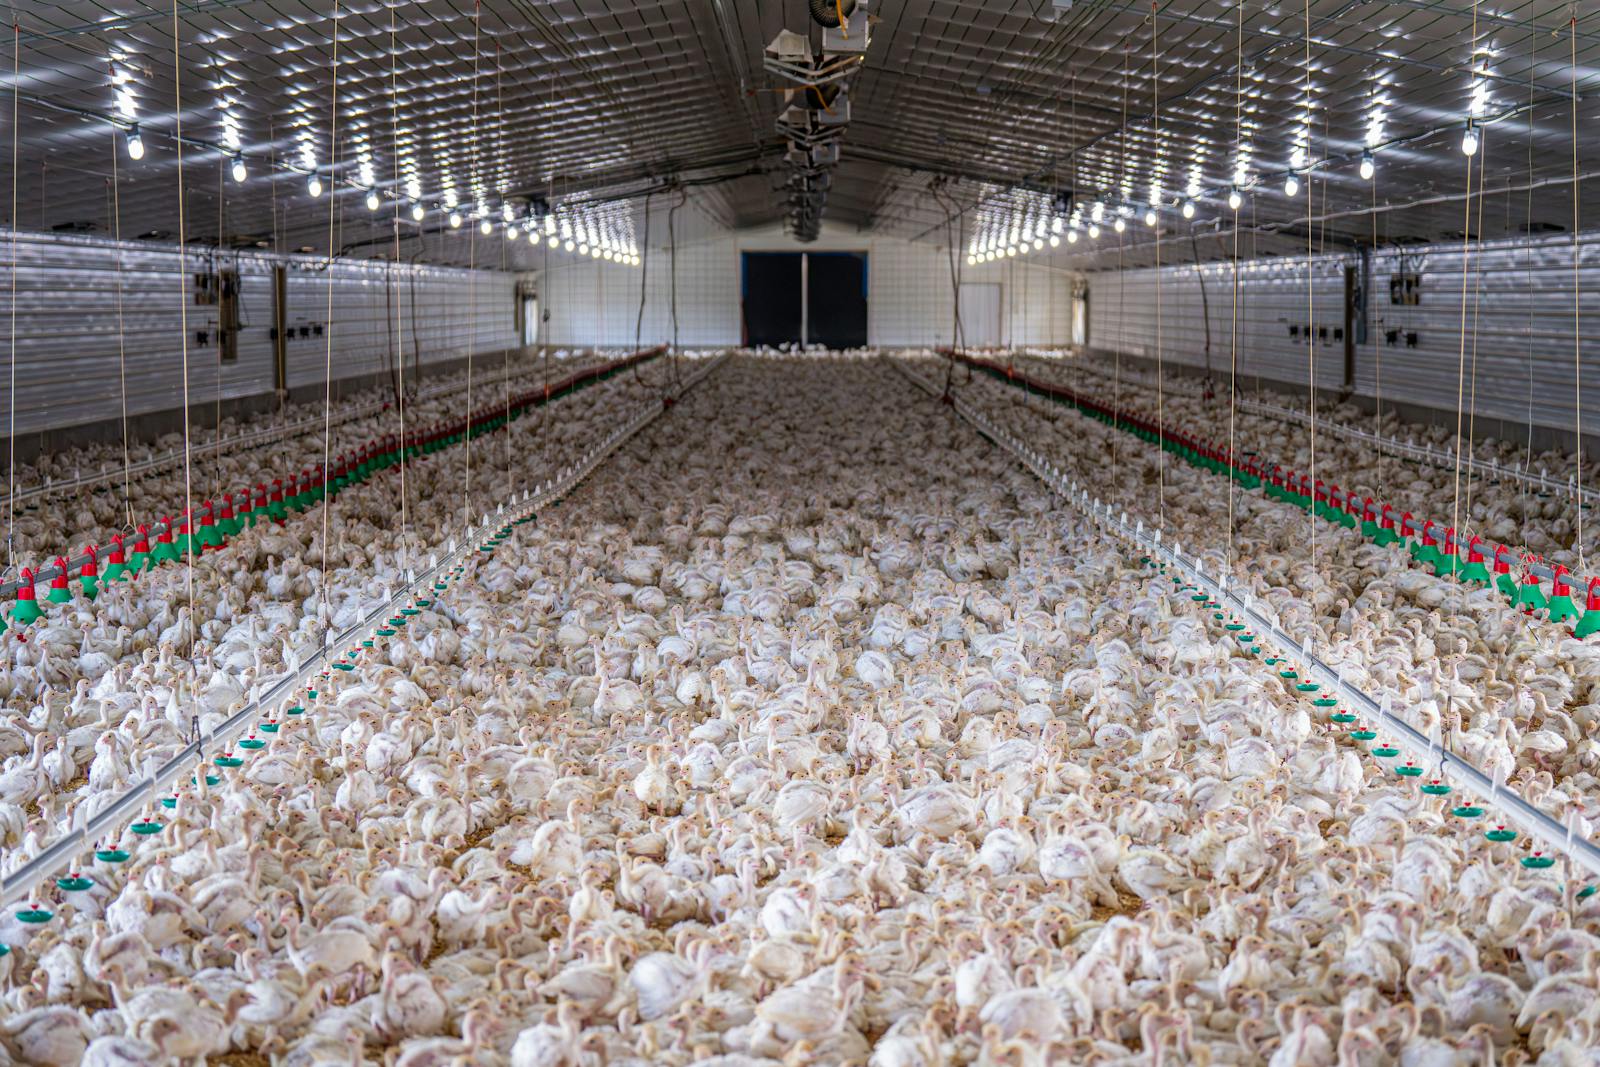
{"x":135,"y":142}
{"x":238,"y":168}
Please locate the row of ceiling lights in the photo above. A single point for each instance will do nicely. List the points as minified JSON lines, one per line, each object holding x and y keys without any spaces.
{"x":597,"y":244}
{"x":986,"y":251}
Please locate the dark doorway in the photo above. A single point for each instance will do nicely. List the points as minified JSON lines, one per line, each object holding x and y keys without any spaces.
{"x":805,"y":297}
{"x":837,"y":299}
{"x":771,"y":297}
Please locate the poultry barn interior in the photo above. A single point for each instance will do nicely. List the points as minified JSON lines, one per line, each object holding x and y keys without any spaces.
{"x":758,"y":533}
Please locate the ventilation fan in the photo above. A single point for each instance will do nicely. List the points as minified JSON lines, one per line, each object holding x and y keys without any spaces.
{"x":827,"y":12}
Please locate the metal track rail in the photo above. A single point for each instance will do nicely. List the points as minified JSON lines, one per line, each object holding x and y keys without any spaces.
{"x":1436,"y":760}
{"x":241,"y":500}
{"x":74,"y":841}
{"x":1319,"y":491}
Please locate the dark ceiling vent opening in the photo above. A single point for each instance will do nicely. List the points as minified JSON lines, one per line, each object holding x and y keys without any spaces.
{"x":1541,"y":227}
{"x":75,"y":226}
{"x":826,"y":12}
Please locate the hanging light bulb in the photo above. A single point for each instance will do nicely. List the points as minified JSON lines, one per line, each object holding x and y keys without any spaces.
{"x":1291,"y":185}
{"x":506,"y":212}
{"x":486,"y":227}
{"x":135,"y":143}
{"x":1094,"y":231}
{"x":1038,"y":243}
{"x":417,"y":210}
{"x":511,"y":233}
{"x":1188,"y":209}
{"x":1055,"y":241}
{"x":1072,"y":237}
{"x":1368,"y":166}
{"x":455,"y":220}
{"x":972,"y":260}
{"x":1234,"y":199}
{"x":239,"y":173}
{"x":1150,"y":216}
{"x":1469,"y":140}
{"x":1119,"y":225}
{"x":567,"y":245}
{"x":373,"y":202}
{"x":554,"y":242}
{"x":583,"y":248}
{"x":314,"y":185}
{"x":1098,"y":211}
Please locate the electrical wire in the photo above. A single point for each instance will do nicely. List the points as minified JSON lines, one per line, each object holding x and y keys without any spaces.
{"x":1233,"y":355}
{"x":472,"y":265}
{"x":183,"y":339}
{"x":394,"y":264}
{"x":11,"y":424}
{"x":1466,"y":274}
{"x":327,"y":365}
{"x":1577,"y":306}
{"x":122,"y":350}
{"x":1311,"y":300}
{"x":1161,"y":425}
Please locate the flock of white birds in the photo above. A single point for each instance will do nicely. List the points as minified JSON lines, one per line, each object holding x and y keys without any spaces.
{"x":809,"y":730}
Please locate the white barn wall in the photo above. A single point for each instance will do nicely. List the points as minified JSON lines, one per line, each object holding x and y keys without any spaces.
{"x":909,"y":302}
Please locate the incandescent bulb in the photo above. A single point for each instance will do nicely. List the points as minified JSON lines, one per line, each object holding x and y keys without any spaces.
{"x":417,"y":211}
{"x":239,"y":173}
{"x":1469,"y":140}
{"x":135,"y":143}
{"x":372,"y":200}
{"x":1291,"y":185}
{"x":455,"y":220}
{"x":314,"y":186}
{"x":1188,"y":209}
{"x":1072,"y":237}
{"x":485,"y":227}
{"x":1368,"y":167}
{"x":1150,"y":217}
{"x":1234,"y":199}
{"x":1119,"y":225}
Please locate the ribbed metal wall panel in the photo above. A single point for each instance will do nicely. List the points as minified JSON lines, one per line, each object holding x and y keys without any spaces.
{"x":68,"y":335}
{"x":1512,"y":339}
{"x":1272,"y":297}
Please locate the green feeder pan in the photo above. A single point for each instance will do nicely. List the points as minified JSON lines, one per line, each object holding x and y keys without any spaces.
{"x":409,"y":612}
{"x":344,"y":666}
{"x":252,"y":743}
{"x":296,"y":710}
{"x":34,"y":916}
{"x":26,"y":611}
{"x":59,"y":595}
{"x":1217,"y":615}
{"x":76,"y":884}
{"x":1271,"y":661}
{"x":311,"y":694}
{"x":91,"y":586}
{"x":1200,"y":598}
{"x":1467,"y":811}
{"x":146,"y":828}
{"x":1363,"y":735}
{"x":169,"y":802}
{"x":1538,"y":862}
{"x":5,"y":950}
{"x":1290,"y":673}
{"x":1307,"y":687}
{"x":1408,"y":770}
{"x":1507,"y":585}
{"x":1436,"y":789}
{"x":1444,"y":565}
{"x":1386,"y":753}
{"x":116,"y":572}
{"x":423,"y":603}
{"x":386,"y":632}
{"x":138,"y":561}
{"x":1530,"y":596}
{"x":1474,"y":572}
{"x":267,"y":727}
{"x":1590,"y":623}
{"x":366,"y":644}
{"x":111,"y":855}
{"x":1248,"y":639}
{"x":1255,"y":650}
{"x":211,"y":779}
{"x":1235,"y":626}
{"x":1369,"y":530}
{"x":229,"y":761}
{"x":1324,"y":702}
{"x":1385,"y":537}
{"x":1562,"y":609}
{"x":1587,"y":891}
{"x":1500,"y":834}
{"x":439,"y":587}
